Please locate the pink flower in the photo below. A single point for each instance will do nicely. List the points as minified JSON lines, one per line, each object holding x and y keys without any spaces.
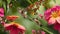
{"x":53,"y":17}
{"x":14,"y":28}
{"x":1,"y":12}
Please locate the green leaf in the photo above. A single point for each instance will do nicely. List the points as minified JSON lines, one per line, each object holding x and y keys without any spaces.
{"x":23,"y":3}
{"x":4,"y":5}
{"x":49,"y":29}
{"x":43,"y":22}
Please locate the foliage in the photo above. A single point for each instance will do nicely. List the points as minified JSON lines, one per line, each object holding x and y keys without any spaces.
{"x":28,"y":12}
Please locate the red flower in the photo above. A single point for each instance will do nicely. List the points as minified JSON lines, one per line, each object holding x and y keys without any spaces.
{"x":11,"y":18}
{"x":15,"y":28}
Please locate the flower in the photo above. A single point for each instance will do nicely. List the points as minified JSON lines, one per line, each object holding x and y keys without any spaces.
{"x":14,"y":28}
{"x":1,"y":12}
{"x":38,"y":32}
{"x":42,"y":32}
{"x":53,"y":17}
{"x":11,"y":18}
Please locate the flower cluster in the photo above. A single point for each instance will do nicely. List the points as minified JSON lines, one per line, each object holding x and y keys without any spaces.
{"x":37,"y":32}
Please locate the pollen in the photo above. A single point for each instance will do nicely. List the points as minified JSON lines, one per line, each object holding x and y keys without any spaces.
{"x":55,"y":14}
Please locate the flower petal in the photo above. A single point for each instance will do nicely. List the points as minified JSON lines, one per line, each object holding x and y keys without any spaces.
{"x":1,"y":12}
{"x":14,"y":32}
{"x":12,"y":17}
{"x":21,"y":27}
{"x":58,"y":19}
{"x":47,"y":14}
{"x":7,"y":26}
{"x":51,"y":21}
{"x":56,"y":26}
{"x":1,"y":15}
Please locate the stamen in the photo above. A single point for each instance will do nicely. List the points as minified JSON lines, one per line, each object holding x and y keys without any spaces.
{"x":55,"y":14}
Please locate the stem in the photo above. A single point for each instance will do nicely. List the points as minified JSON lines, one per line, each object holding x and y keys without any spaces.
{"x":46,"y":30}
{"x":7,"y":8}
